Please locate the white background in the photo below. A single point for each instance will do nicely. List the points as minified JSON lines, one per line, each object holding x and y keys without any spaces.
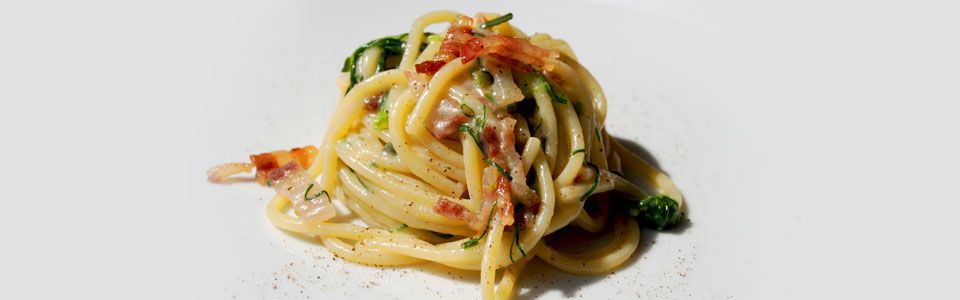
{"x":816,"y":142}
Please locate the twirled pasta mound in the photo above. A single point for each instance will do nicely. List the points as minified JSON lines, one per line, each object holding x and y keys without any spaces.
{"x":467,"y":149}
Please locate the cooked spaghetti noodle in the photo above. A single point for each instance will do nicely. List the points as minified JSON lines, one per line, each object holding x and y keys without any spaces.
{"x":467,"y":149}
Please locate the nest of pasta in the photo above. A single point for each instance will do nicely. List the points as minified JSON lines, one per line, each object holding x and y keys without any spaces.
{"x":467,"y":148}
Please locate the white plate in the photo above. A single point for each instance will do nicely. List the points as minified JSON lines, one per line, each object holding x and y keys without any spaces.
{"x":813,"y":142}
{"x":652,"y":102}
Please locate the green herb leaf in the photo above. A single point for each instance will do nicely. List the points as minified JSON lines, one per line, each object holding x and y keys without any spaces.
{"x":391,"y":46}
{"x":657,"y":212}
{"x":482,"y":120}
{"x":360,"y":180}
{"x":467,"y":111}
{"x":474,"y":241}
{"x":578,"y":151}
{"x":501,"y":169}
{"x":545,"y":85}
{"x":347,"y":64}
{"x":484,"y":80}
{"x":502,"y":19}
{"x":306,"y":194}
{"x":596,"y":180}
{"x":474,"y":131}
{"x":399,"y":228}
{"x":516,"y":241}
{"x":475,"y":136}
{"x":388,"y":148}
{"x":382,"y":120}
{"x":470,"y":243}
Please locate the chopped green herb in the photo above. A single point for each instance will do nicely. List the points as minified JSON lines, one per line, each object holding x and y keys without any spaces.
{"x":306,"y":194}
{"x":389,"y":149}
{"x":596,"y":180}
{"x":382,"y":120}
{"x":482,"y":120}
{"x":545,"y":85}
{"x":374,"y":164}
{"x":360,"y":180}
{"x":391,"y":45}
{"x":502,"y":19}
{"x":520,"y":247}
{"x":475,"y":130}
{"x":484,"y":80}
{"x":474,"y":241}
{"x":474,"y":135}
{"x":578,"y":151}
{"x":467,"y":111}
{"x":516,"y":241}
{"x":399,"y":228}
{"x":501,"y":169}
{"x":656,"y":211}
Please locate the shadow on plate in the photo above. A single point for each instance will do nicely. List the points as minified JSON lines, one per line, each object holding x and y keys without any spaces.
{"x":640,"y":151}
{"x":539,"y":278}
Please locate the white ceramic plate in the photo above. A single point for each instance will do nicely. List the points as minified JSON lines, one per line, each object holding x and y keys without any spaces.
{"x":656,"y":97}
{"x":814,"y":143}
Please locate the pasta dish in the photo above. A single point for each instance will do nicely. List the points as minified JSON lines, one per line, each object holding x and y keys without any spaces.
{"x":468,"y":148}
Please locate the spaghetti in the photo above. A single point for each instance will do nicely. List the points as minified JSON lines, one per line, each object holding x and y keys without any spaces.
{"x":467,"y":149}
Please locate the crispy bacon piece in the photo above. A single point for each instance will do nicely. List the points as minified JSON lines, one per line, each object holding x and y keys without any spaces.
{"x":449,"y":49}
{"x":454,"y":42}
{"x":496,"y":189}
{"x":491,"y":140}
{"x":430,"y":67}
{"x":446,"y":119}
{"x":500,"y":140}
{"x":264,"y":162}
{"x":309,"y":201}
{"x":516,"y":49}
{"x":455,"y":211}
{"x":506,"y":202}
{"x":221,"y":172}
{"x":460,"y":42}
{"x":372,"y":103}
